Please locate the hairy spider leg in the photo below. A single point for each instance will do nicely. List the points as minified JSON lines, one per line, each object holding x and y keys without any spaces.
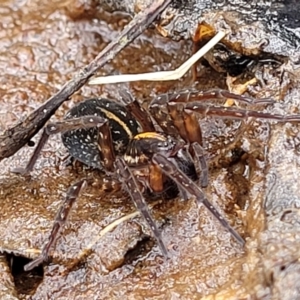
{"x":61,"y":217}
{"x":201,"y":163}
{"x":189,"y":129}
{"x":137,"y":110}
{"x":214,"y":94}
{"x":237,"y":113}
{"x":170,"y":169}
{"x":59,"y":127}
{"x":132,"y":187}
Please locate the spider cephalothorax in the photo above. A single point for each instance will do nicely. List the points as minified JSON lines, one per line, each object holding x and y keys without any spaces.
{"x":164,"y":157}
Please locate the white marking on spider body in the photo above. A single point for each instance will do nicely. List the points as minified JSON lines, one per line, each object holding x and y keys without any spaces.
{"x":123,"y":113}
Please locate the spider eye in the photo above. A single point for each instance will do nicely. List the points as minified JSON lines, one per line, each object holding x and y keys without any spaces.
{"x":163,"y":144}
{"x":168,"y":147}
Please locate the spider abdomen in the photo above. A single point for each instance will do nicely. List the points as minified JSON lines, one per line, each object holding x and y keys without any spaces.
{"x":82,"y":144}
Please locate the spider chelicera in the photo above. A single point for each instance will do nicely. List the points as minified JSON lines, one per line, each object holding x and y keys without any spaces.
{"x":158,"y":152}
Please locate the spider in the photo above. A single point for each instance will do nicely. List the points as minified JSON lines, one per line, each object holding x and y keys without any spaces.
{"x":158,"y":152}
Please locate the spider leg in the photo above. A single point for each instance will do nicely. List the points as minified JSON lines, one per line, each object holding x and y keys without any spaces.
{"x":159,"y":111}
{"x":237,"y":113}
{"x":189,"y":129}
{"x":170,"y":169}
{"x":59,"y":127}
{"x":135,"y":108}
{"x":60,"y":220}
{"x":131,"y":185}
{"x":105,"y":145}
{"x":215,"y":94}
{"x":186,"y":123}
{"x":200,"y":164}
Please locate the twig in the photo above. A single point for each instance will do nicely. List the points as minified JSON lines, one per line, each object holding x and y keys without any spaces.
{"x":16,"y":137}
{"x":163,"y":75}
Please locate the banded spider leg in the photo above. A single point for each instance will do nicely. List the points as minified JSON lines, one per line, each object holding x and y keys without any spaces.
{"x":170,"y":169}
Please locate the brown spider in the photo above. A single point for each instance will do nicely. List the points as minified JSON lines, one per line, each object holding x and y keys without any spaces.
{"x":164,"y":156}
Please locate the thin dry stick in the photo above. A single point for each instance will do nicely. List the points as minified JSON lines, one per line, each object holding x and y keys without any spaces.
{"x":163,"y":75}
{"x":19,"y":135}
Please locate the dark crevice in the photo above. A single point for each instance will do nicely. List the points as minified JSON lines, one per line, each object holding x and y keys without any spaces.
{"x":25,"y":282}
